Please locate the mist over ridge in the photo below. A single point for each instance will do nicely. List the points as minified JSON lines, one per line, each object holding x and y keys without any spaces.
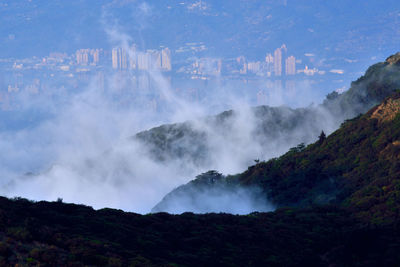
{"x":379,"y":81}
{"x":101,"y":157}
{"x":199,"y":133}
{"x":120,"y":136}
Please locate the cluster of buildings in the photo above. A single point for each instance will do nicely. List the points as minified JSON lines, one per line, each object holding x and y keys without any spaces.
{"x":278,"y":64}
{"x":122,"y":58}
{"x":277,"y":69}
{"x":275,"y":65}
{"x":86,"y":57}
{"x":130,"y":58}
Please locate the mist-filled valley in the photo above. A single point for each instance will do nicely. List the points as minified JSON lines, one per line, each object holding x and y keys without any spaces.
{"x":93,"y":150}
{"x":91,"y":144}
{"x":199,"y":133}
{"x":117,"y":108}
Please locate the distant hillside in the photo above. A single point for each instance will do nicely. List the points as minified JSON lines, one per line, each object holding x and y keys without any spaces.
{"x":379,"y":81}
{"x":267,"y":132}
{"x":356,"y":166}
{"x":200,"y":142}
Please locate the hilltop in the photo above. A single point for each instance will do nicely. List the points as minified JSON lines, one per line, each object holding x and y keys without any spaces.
{"x":268,"y":131}
{"x":356,"y":166}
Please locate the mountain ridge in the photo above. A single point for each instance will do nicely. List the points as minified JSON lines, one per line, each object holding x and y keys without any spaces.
{"x":271,"y":130}
{"x":344,"y":191}
{"x":342,"y":169}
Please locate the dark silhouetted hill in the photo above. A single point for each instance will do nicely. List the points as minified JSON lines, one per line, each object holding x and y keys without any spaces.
{"x":58,"y":234}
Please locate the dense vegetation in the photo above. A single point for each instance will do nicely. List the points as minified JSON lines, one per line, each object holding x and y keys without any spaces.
{"x":356,"y":166}
{"x":343,"y":192}
{"x":58,"y":234}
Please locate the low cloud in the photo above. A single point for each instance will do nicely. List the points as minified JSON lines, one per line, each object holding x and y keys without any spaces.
{"x":83,"y":151}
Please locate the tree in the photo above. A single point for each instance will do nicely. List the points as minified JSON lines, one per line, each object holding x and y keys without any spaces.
{"x":321,"y":137}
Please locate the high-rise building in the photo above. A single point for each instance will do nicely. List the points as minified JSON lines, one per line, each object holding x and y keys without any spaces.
{"x":95,"y":53}
{"x":82,"y":56}
{"x":278,"y":62}
{"x":119,"y":58}
{"x":269,"y":64}
{"x":114,"y":58}
{"x":254,"y":66}
{"x":123,"y":59}
{"x":166,"y":59}
{"x":290,"y":65}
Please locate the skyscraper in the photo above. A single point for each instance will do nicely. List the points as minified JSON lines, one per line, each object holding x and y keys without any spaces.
{"x":254,"y":66}
{"x":82,"y":56}
{"x":290,"y":65}
{"x":119,"y":58}
{"x":269,"y":64}
{"x":278,"y":62}
{"x":114,"y":58}
{"x":95,"y":53}
{"x":166,"y":59}
{"x":123,"y":59}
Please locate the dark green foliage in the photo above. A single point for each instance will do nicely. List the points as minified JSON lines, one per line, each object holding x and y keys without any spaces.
{"x":321,"y":137}
{"x":75,"y":235}
{"x":357,"y":165}
{"x":344,"y":191}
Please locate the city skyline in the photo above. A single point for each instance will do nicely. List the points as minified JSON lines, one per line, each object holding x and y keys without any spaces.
{"x":276,"y":65}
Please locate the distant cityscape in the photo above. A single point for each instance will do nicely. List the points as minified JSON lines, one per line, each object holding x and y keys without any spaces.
{"x":279,"y":69}
{"x":275,"y":64}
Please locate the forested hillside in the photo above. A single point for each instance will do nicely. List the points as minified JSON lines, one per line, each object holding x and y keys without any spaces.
{"x":270,"y":131}
{"x":357,"y":166}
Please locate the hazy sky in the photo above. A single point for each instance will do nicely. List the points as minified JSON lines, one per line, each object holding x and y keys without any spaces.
{"x":229,"y":28}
